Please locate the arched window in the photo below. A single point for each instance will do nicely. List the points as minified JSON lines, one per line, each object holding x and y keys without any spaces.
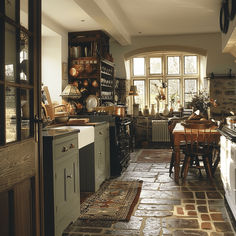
{"x":171,"y":78}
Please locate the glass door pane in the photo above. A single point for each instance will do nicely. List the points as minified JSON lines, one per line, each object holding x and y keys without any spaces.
{"x":10,"y":53}
{"x":24,"y":55}
{"x":11,"y":122}
{"x":10,"y":9}
{"x":25,"y":113}
{"x":24,"y":12}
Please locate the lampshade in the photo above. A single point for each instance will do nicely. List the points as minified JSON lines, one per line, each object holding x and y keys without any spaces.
{"x":133,"y":90}
{"x":71,"y":91}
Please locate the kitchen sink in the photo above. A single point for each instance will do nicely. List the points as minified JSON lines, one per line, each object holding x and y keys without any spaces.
{"x":85,"y":134}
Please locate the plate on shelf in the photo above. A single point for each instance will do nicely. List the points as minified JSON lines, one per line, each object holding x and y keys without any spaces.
{"x":91,"y":102}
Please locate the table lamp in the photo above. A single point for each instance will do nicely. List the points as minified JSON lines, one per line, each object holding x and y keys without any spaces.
{"x":133,"y":92}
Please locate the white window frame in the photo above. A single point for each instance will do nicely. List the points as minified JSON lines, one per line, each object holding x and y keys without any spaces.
{"x":164,"y":76}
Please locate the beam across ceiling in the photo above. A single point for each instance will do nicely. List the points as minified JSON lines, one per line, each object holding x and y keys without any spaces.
{"x":105,"y":14}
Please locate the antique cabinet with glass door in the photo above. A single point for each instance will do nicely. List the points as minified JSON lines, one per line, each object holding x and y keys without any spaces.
{"x":19,"y":99}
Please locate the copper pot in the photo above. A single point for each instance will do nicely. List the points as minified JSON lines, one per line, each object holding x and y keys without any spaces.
{"x":73,"y":71}
{"x":120,"y":111}
{"x":88,"y":68}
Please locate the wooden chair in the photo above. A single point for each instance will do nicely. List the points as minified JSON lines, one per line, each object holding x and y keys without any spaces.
{"x":198,"y":148}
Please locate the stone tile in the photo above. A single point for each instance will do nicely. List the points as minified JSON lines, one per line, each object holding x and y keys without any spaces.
{"x":206,"y":225}
{"x":188,"y":201}
{"x":180,"y":211}
{"x":153,"y":207}
{"x":186,"y":195}
{"x":163,"y":178}
{"x":134,"y":223}
{"x":143,"y":167}
{"x":217,"y":217}
{"x":122,"y":232}
{"x":152,"y":227}
{"x":160,"y":201}
{"x":93,"y":223}
{"x":140,"y":174}
{"x":201,"y":202}
{"x":150,"y":186}
{"x":192,"y":213}
{"x":189,"y":207}
{"x":214,"y":195}
{"x":202,"y":209}
{"x":216,"y":202}
{"x":151,"y":180}
{"x":189,"y":233}
{"x":86,"y":230}
{"x":179,"y":223}
{"x":200,"y":195}
{"x":205,"y":217}
{"x":213,"y":208}
{"x":153,"y":213}
{"x":222,"y":226}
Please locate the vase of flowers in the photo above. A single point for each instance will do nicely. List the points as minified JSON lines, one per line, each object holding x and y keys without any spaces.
{"x":202,"y":102}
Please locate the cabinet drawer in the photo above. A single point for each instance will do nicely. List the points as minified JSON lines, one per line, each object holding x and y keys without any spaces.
{"x":102,"y":131}
{"x":65,"y":145}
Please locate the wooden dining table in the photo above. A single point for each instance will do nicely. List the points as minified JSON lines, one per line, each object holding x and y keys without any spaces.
{"x":178,"y":136}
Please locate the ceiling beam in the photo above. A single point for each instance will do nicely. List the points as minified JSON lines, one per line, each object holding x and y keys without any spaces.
{"x":103,"y":12}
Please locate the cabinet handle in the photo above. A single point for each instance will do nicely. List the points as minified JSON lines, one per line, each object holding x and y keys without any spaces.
{"x":64,"y":149}
{"x":72,"y":145}
{"x":100,"y":133}
{"x":99,"y":153}
{"x":69,"y":176}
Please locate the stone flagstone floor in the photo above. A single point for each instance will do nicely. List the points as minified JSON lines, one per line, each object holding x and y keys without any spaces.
{"x":195,"y":208}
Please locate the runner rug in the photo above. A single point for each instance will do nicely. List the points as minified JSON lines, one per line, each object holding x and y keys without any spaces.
{"x":115,"y":201}
{"x":154,"y":155}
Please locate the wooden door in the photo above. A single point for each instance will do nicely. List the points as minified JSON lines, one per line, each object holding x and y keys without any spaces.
{"x":20,"y":38}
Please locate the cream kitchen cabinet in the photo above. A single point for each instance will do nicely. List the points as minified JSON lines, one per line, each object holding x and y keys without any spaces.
{"x":61,"y":180}
{"x":95,"y":159}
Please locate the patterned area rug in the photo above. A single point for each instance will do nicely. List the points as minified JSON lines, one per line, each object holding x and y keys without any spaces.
{"x":154,"y":155}
{"x":115,"y":201}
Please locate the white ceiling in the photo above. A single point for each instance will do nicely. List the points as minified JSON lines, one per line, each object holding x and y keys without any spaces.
{"x":122,"y":19}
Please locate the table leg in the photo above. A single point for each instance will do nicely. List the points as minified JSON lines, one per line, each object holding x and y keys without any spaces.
{"x":177,"y":163}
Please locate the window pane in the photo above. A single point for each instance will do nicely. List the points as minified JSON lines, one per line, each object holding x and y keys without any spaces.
{"x":24,"y":62}
{"x":155,"y":65}
{"x":190,"y":64}
{"x":140,"y":99}
{"x":190,"y":89}
{"x":11,"y":114}
{"x":24,"y":5}
{"x":10,"y":6}
{"x":10,"y":53}
{"x":173,"y":93}
{"x":138,"y":66}
{"x":154,"y":87}
{"x":173,"y":65}
{"x":25,"y":113}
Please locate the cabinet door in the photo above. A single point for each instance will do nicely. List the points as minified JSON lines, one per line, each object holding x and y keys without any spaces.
{"x":66,"y":191}
{"x":100,"y":174}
